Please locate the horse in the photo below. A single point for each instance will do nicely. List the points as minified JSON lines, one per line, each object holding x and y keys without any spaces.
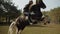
{"x":21,"y":22}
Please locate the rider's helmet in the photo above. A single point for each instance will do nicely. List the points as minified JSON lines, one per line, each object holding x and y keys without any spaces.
{"x":31,"y":2}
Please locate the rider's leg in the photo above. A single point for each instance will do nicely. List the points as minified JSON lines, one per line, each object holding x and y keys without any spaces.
{"x":29,"y":18}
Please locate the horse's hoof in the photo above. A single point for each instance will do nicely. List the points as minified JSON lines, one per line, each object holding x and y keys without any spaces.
{"x":34,"y":22}
{"x":48,"y":22}
{"x":44,"y":23}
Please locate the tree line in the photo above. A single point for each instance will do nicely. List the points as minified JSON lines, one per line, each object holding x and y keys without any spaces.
{"x":54,"y":14}
{"x":8,"y":11}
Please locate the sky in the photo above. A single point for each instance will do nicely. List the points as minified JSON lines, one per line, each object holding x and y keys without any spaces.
{"x":50,"y":4}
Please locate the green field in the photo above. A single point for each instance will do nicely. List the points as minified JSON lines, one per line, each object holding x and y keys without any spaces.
{"x":37,"y":29}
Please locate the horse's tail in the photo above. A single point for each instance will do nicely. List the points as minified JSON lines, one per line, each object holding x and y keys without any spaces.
{"x":10,"y":31}
{"x":11,"y":27}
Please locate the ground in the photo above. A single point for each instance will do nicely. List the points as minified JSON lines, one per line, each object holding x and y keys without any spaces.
{"x":36,"y":29}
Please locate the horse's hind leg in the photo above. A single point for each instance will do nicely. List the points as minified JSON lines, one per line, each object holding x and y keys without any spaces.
{"x":20,"y":31}
{"x":17,"y":31}
{"x":10,"y":31}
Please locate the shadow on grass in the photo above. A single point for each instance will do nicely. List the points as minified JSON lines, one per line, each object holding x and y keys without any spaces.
{"x":36,"y":26}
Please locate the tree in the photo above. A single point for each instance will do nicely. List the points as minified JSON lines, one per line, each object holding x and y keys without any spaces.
{"x":12,"y":11}
{"x":55,"y":14}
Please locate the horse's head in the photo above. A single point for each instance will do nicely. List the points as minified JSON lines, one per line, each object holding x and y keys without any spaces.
{"x":40,"y":4}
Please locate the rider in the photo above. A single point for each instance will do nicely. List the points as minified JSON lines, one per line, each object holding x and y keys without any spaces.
{"x":26,"y":9}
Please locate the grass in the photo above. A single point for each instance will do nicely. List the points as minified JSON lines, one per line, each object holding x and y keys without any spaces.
{"x":3,"y":29}
{"x":48,"y":29}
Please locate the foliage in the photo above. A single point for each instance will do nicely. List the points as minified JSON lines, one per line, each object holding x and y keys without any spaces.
{"x":54,"y":14}
{"x":9,"y":11}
